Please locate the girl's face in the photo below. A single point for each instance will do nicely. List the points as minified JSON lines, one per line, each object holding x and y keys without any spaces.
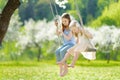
{"x":75,"y":29}
{"x":65,"y":21}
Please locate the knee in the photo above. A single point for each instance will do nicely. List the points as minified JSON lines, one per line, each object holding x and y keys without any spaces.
{"x":57,"y":52}
{"x":76,"y":53}
{"x":68,"y":51}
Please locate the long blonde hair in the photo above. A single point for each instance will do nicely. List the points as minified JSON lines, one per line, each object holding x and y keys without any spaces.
{"x":75,"y":24}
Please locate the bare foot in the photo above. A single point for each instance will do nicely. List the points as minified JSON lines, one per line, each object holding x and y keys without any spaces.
{"x":61,"y":69}
{"x":61,"y":75}
{"x":65,"y":70}
{"x":71,"y":66}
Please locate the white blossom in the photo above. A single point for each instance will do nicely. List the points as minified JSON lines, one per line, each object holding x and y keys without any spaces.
{"x":61,"y":3}
{"x":36,"y":33}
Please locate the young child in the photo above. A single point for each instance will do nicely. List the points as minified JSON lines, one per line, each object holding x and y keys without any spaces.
{"x":80,"y":47}
{"x":68,"y":41}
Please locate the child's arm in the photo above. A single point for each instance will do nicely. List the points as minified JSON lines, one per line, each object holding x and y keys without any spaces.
{"x":77,"y":40}
{"x":58,"y":32}
{"x":87,"y":34}
{"x":69,"y":36}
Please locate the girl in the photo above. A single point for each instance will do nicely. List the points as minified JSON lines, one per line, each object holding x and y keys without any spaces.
{"x":80,"y":47}
{"x":68,"y":41}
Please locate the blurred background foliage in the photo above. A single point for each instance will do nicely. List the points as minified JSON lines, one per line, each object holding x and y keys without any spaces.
{"x":94,"y":12}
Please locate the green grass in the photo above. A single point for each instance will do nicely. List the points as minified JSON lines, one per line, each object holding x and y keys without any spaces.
{"x":84,"y":70}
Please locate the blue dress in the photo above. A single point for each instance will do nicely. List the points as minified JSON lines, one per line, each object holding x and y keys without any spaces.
{"x":60,"y":52}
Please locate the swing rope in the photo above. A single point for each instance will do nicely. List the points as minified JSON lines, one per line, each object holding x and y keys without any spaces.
{"x":78,"y":13}
{"x":51,"y":8}
{"x":56,"y":17}
{"x":55,"y":9}
{"x":81,"y":22}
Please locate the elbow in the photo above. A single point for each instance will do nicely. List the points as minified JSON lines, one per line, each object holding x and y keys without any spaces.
{"x":91,"y":37}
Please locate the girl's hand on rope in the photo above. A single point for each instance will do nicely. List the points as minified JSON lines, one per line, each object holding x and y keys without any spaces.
{"x":59,"y":32}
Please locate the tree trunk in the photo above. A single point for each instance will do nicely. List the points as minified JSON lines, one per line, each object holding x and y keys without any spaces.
{"x":108,"y":57}
{"x":5,"y":16}
{"x":39,"y":53}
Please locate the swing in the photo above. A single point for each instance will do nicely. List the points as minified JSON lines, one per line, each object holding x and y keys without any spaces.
{"x":89,"y":49}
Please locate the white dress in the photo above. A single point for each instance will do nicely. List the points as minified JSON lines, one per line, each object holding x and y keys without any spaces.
{"x":83,"y":44}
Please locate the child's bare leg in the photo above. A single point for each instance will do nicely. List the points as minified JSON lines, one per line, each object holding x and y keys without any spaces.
{"x":61,"y":69}
{"x":74,"y":59}
{"x":65,"y":58}
{"x":65,"y":70}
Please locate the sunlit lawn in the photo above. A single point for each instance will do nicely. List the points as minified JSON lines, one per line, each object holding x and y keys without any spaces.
{"x":84,"y":70}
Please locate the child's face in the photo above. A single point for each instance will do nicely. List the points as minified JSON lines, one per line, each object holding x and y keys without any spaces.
{"x":65,"y":21}
{"x":75,"y":29}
